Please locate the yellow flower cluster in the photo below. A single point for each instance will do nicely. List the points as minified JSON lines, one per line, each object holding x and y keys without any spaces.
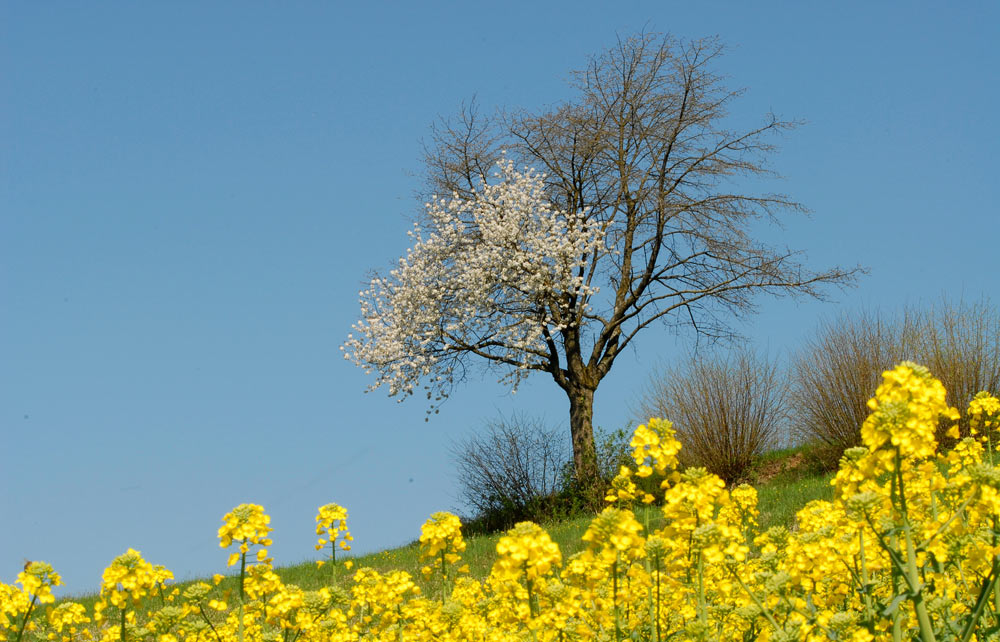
{"x":125,"y":582}
{"x":246,"y":524}
{"x":331,"y":525}
{"x":526,"y":553}
{"x":906,"y":410}
{"x":441,"y":544}
{"x":984,"y":421}
{"x":526,"y":558}
{"x":655,"y":448}
{"x":615,"y":533}
{"x":984,"y":412}
{"x":37,"y":580}
{"x":624,"y":490}
{"x":16,"y":605}
{"x":129,"y":578}
{"x":908,"y":549}
{"x":65,"y":621}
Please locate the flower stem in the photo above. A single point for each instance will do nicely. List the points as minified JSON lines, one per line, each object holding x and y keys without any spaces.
{"x":243,"y":569}
{"x":209,"y":622}
{"x":27,"y":614}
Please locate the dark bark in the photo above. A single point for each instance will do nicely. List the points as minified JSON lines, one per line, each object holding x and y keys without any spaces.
{"x":581,"y":426}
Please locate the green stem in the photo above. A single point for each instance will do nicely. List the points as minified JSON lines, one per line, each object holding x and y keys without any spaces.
{"x":243,"y":569}
{"x":760,"y":605}
{"x":333,"y":562}
{"x":121,"y":632}
{"x":444,"y":573}
{"x":897,"y":630}
{"x":917,"y":596}
{"x":27,"y":614}
{"x":996,"y":571}
{"x":653,"y":614}
{"x":658,"y":598}
{"x":867,"y":584}
{"x":897,"y":622}
{"x":614,"y":598}
{"x":209,"y":622}
{"x":916,"y":588}
{"x":531,"y":595}
{"x":702,"y":608}
{"x":988,"y":585}
{"x":959,"y":511}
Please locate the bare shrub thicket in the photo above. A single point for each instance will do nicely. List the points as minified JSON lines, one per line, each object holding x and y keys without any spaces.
{"x":508,"y":469}
{"x":836,"y":373}
{"x":960,"y":343}
{"x":726,"y":409}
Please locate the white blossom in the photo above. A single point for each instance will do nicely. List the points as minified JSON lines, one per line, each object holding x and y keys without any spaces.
{"x":486,"y":277}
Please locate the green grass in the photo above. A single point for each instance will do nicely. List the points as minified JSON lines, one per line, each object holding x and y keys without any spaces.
{"x":779,"y":501}
{"x":785,"y":480}
{"x":479,"y":554}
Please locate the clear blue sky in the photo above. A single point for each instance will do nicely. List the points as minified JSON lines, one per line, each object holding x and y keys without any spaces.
{"x":192,"y":193}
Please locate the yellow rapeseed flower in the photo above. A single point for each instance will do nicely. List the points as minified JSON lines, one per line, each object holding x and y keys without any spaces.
{"x":526,"y":551}
{"x":37,"y":580}
{"x":654,"y":447}
{"x":247,"y":524}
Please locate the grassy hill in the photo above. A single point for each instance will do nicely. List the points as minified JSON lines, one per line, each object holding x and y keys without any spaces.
{"x":785,"y":481}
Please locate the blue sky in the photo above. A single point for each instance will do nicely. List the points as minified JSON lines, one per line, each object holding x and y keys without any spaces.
{"x":191,"y":195}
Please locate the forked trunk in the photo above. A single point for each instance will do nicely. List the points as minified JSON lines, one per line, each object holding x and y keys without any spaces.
{"x":581,"y":426}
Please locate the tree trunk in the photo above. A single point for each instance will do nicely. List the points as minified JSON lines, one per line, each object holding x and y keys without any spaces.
{"x":581,"y":426}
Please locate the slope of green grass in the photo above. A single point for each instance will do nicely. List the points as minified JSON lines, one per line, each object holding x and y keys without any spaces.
{"x":479,"y":553}
{"x":784,"y":480}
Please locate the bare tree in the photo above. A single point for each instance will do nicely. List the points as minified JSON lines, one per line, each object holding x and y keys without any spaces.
{"x":640,"y":161}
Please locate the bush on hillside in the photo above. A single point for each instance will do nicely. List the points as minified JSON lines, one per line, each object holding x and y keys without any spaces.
{"x":507,"y":469}
{"x":518,"y":469}
{"x":726,"y":409}
{"x":836,"y":373}
{"x":960,"y":343}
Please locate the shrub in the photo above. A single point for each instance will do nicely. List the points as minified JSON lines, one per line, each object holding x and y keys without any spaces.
{"x":508,"y":470}
{"x":837,"y":371}
{"x":960,"y":343}
{"x":518,"y":469}
{"x":726,"y":409}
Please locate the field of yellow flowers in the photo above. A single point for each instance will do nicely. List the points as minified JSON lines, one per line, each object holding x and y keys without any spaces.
{"x":908,"y":549}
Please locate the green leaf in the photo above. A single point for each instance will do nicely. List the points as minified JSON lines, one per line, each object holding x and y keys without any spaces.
{"x":896,"y":601}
